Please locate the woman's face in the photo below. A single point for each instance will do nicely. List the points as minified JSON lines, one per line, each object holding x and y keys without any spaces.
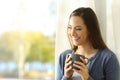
{"x":77,"y":31}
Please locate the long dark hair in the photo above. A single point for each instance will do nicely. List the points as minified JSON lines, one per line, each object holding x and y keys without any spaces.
{"x":91,"y":22}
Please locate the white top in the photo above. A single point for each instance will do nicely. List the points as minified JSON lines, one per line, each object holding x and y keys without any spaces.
{"x":76,"y":76}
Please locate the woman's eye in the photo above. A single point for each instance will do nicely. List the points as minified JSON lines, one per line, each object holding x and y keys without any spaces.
{"x":69,"y":27}
{"x":78,"y":28}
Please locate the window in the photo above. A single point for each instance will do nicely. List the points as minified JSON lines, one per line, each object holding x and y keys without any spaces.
{"x":27,"y":39}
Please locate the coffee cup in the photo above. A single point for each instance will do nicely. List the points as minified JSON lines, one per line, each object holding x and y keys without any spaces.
{"x":77,"y":57}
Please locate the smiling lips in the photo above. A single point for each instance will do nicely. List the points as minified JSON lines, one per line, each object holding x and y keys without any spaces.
{"x":75,"y":39}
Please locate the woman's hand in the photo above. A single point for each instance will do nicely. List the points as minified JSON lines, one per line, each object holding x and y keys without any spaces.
{"x":83,"y":70}
{"x":68,"y":69}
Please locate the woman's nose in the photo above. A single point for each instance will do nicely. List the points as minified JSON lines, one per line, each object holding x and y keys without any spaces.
{"x":73,"y":33}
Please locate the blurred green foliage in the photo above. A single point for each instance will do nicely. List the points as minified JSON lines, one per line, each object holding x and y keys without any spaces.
{"x":37,"y":47}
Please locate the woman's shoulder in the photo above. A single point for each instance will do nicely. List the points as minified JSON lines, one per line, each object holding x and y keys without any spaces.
{"x":68,"y":51}
{"x":62,"y":57}
{"x":107,"y":54}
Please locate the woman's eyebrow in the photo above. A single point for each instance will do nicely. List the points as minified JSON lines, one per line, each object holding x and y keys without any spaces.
{"x":78,"y":26}
{"x":69,"y":25}
{"x":75,"y":26}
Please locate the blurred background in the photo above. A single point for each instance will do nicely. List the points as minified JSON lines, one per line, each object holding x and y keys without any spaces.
{"x":27,"y":39}
{"x":33,"y":34}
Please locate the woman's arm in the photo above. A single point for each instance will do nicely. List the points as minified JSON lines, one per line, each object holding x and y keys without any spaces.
{"x":59,"y":73}
{"x":61,"y":65}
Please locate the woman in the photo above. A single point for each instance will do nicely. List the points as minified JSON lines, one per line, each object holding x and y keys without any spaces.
{"x":85,"y":38}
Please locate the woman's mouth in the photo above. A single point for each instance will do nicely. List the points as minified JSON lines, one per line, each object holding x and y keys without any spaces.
{"x":75,"y":39}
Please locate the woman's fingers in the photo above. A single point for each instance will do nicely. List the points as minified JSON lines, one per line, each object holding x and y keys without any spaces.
{"x":68,"y":64}
{"x":78,"y":71}
{"x":79,"y":64}
{"x":68,"y":61}
{"x":84,"y":60}
{"x":68,"y":58}
{"x":68,"y":68}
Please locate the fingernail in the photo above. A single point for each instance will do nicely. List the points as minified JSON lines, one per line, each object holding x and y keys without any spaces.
{"x":69,"y":55}
{"x":70,"y":67}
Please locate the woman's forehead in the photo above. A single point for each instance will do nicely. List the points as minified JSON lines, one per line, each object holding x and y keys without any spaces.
{"x":76,"y":20}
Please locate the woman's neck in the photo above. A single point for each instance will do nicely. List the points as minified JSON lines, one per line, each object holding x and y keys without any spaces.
{"x":87,"y":51}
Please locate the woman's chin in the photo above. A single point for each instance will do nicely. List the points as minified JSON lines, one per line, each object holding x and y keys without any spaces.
{"x":76,"y":44}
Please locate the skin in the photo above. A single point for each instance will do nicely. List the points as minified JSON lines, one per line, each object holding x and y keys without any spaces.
{"x":68,"y":70}
{"x":78,"y":33}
